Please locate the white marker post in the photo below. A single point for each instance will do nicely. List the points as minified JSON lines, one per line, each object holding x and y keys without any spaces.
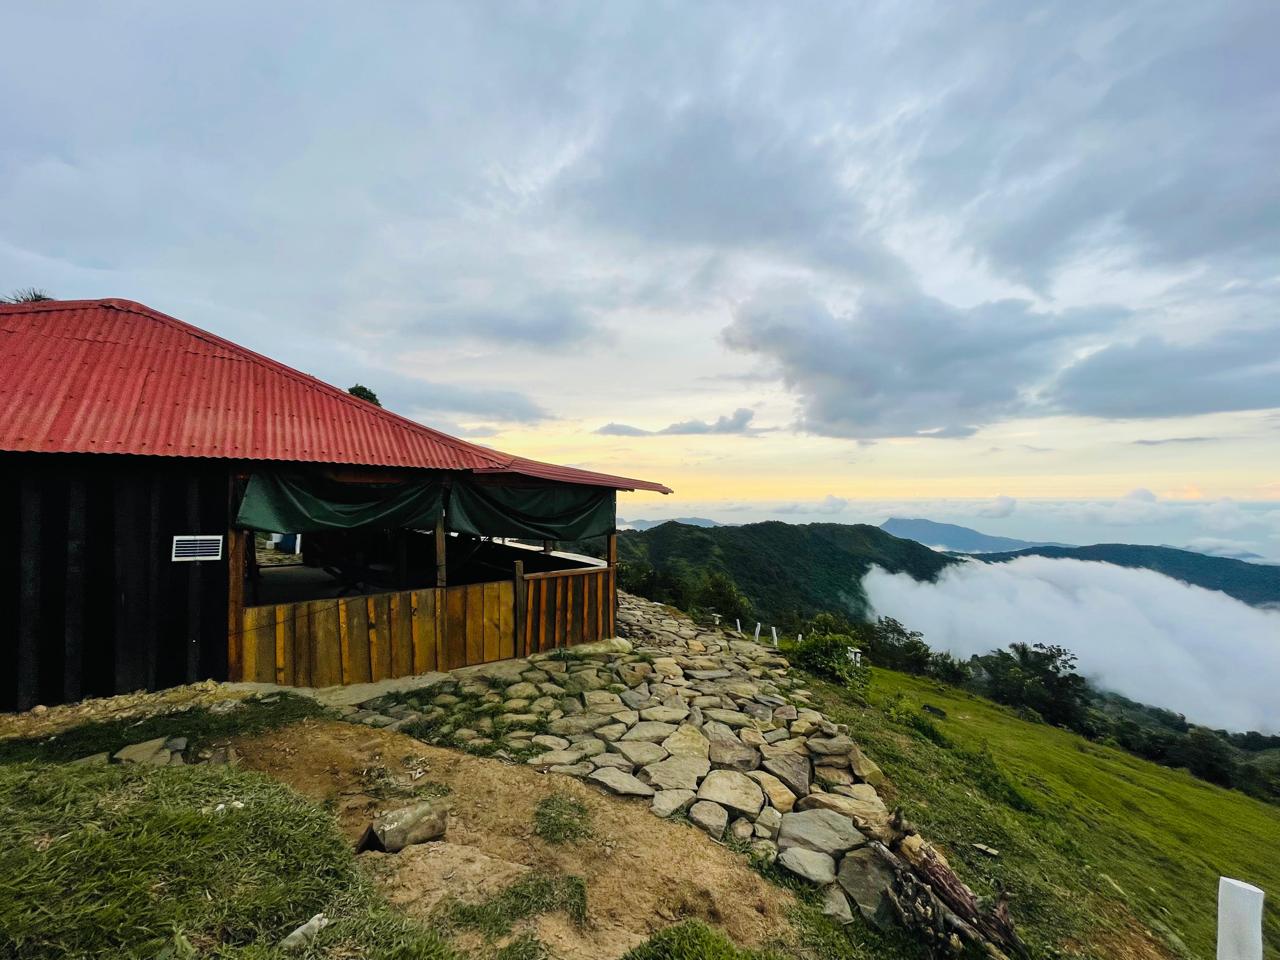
{"x":738,"y":624}
{"x":1239,"y":920}
{"x":799,"y":638}
{"x":775,"y":635}
{"x":757,"y":636}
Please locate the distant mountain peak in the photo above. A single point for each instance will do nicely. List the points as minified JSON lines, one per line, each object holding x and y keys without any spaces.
{"x":650,"y":524}
{"x":955,"y":538}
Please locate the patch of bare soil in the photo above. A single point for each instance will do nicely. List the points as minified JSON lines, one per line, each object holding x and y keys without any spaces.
{"x":642,"y":873}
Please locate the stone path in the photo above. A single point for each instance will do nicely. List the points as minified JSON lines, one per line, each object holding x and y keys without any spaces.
{"x":696,"y":722}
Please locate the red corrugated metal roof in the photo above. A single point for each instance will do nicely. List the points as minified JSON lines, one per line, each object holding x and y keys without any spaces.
{"x":113,"y":376}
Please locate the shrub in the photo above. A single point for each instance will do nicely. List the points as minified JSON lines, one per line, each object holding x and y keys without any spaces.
{"x":831,"y":656}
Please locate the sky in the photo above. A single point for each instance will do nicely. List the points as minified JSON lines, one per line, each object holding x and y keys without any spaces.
{"x":1011,"y":263}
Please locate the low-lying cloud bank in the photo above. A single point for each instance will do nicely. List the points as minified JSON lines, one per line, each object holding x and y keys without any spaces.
{"x":1136,"y":632}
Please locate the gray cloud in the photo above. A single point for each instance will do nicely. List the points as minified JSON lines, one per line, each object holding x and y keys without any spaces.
{"x":738,"y":422}
{"x":1152,"y":377}
{"x":1173,"y":440}
{"x":909,"y":365}
{"x":502,"y":181}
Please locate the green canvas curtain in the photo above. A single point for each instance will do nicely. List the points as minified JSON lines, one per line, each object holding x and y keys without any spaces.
{"x":301,"y":503}
{"x":278,"y":503}
{"x":553,"y":512}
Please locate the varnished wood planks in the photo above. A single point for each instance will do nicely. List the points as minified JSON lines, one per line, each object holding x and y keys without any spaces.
{"x":327,"y":655}
{"x":455,"y":628}
{"x":373,"y":637}
{"x":490,"y":617}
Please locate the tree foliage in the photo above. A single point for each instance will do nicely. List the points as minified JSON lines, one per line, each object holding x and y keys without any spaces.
{"x":364,"y":393}
{"x":27,"y":295}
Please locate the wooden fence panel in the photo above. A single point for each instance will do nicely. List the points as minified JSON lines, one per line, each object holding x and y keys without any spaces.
{"x":367,"y":638}
{"x":506,"y":620}
{"x":491,"y":617}
{"x":285,"y":674}
{"x":402,"y":635}
{"x":455,"y":628}
{"x":327,"y":655}
{"x":303,"y":645}
{"x":381,"y":654}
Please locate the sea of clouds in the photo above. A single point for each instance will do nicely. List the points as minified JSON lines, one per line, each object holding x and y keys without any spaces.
{"x":1136,"y":632}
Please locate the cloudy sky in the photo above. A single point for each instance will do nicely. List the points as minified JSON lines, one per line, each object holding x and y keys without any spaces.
{"x":818,"y":258}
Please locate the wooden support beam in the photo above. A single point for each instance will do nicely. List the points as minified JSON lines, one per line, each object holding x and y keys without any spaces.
{"x":611,"y":554}
{"x":519,"y":609}
{"x":235,"y":603}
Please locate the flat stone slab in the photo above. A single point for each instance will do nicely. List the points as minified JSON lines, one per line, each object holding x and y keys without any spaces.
{"x":151,"y":752}
{"x":711,"y":817}
{"x":639,"y":752}
{"x":733,"y":755}
{"x":687,"y":742}
{"x":650,"y":731}
{"x":666,"y":803}
{"x":823,"y":831}
{"x":665,"y":714}
{"x":676,"y":773}
{"x":730,"y":718}
{"x":623,"y":784}
{"x":812,"y":866}
{"x":734,"y":790}
{"x":792,"y":769}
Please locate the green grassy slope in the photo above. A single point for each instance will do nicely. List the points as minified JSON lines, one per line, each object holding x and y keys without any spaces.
{"x":785,"y":569}
{"x":1255,"y":583}
{"x":1110,"y":845}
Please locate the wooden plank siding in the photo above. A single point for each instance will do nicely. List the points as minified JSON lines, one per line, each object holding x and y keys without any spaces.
{"x":358,"y":639}
{"x":564,"y":608}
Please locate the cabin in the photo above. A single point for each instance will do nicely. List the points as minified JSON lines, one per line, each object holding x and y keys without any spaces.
{"x":143,"y":461}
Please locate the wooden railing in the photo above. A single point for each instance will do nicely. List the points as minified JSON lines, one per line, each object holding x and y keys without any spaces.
{"x":321,"y":643}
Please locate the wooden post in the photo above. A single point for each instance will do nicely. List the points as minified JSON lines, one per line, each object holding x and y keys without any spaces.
{"x":235,"y":603}
{"x":441,"y":551}
{"x":519,"y":608}
{"x":612,"y":556}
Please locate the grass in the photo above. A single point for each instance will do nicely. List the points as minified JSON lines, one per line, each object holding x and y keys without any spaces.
{"x":1094,"y":842}
{"x":536,"y":894}
{"x":199,"y":725}
{"x":561,"y":819}
{"x":135,"y":861}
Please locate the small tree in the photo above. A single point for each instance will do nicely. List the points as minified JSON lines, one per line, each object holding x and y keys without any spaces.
{"x":364,"y":393}
{"x":27,"y":295}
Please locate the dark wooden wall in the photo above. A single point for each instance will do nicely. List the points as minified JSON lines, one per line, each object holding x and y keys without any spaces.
{"x":96,"y":605}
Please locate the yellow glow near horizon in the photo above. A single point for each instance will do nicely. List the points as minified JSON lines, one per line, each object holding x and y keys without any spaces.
{"x":1067,"y":460}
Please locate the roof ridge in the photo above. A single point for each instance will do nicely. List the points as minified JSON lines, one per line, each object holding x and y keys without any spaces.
{"x":362,"y":406}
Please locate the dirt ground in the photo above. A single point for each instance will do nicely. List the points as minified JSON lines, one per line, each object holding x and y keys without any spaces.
{"x":642,"y":873}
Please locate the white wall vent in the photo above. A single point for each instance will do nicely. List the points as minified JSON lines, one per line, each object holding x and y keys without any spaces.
{"x":197,"y":547}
